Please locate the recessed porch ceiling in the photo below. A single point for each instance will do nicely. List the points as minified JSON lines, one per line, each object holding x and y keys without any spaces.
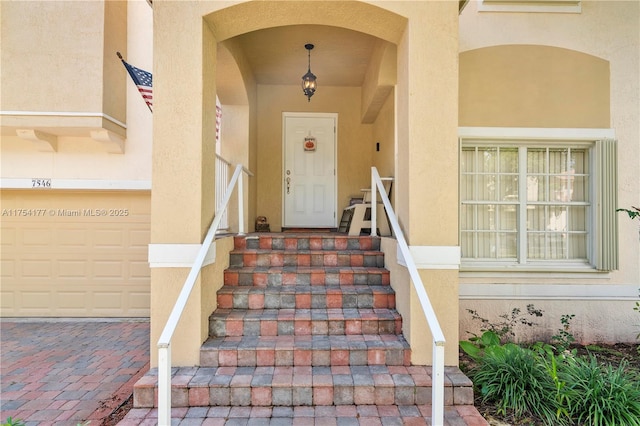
{"x":277,"y":56}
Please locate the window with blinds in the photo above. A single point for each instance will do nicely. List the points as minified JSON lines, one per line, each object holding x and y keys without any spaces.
{"x":527,"y":203}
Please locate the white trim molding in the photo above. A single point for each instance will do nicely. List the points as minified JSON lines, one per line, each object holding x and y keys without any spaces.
{"x":178,"y":255}
{"x":65,"y":114}
{"x":549,"y":292}
{"x":524,"y":133}
{"x":433,"y":257}
{"x":540,"y":6}
{"x":76,"y":184}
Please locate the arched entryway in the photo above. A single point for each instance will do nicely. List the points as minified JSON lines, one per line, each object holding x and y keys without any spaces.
{"x":404,"y":104}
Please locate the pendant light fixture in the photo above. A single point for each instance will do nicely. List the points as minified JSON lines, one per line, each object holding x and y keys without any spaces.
{"x":309,"y":80}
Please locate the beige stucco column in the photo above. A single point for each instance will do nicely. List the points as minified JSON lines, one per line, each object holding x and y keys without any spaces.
{"x":427,"y":163}
{"x":183,"y":177}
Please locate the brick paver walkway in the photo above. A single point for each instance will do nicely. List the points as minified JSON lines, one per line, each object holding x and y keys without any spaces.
{"x":56,"y":372}
{"x":67,"y":372}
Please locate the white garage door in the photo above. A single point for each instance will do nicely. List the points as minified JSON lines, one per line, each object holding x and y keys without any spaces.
{"x":75,"y":254}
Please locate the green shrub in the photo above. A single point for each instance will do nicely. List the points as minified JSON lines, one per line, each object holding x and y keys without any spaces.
{"x":13,"y":422}
{"x":504,"y":327}
{"x":563,"y":339}
{"x":601,"y":395}
{"x":517,"y":380}
{"x":475,"y":346}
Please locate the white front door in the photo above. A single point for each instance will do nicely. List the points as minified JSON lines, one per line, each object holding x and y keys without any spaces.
{"x":309,"y":183}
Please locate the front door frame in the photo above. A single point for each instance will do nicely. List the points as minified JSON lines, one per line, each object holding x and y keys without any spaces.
{"x":334,"y":116}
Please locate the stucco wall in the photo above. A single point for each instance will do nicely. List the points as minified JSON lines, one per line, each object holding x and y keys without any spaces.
{"x":354,"y":143}
{"x":36,"y":43}
{"x":581,"y":72}
{"x":533,"y":86}
{"x":384,"y":134}
{"x":441,"y":287}
{"x":193,"y":327}
{"x":79,"y":160}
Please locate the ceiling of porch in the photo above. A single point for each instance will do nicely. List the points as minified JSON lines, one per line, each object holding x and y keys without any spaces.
{"x":277,"y":56}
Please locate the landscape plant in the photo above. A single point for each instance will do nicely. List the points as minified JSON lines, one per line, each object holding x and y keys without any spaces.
{"x":548,"y":380}
{"x":516,"y":379}
{"x":504,"y":328}
{"x":13,"y":422}
{"x":564,"y":338}
{"x":601,"y":395}
{"x":635,"y":213}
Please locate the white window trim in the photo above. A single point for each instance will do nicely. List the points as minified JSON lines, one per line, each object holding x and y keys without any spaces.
{"x":534,"y":133}
{"x":544,"y":135}
{"x":539,"y":6}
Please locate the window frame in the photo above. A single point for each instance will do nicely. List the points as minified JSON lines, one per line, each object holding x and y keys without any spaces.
{"x":532,"y":138}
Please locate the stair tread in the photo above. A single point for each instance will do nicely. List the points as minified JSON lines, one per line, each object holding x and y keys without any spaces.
{"x":403,"y":375}
{"x":341,"y":384}
{"x":305,"y":251}
{"x":305,"y":241}
{"x":304,"y":386}
{"x":307,"y":313}
{"x":307,"y":269}
{"x":308,"y":289}
{"x":324,"y":342}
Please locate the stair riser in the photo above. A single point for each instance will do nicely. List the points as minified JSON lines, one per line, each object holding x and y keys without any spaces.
{"x":319,"y":259}
{"x":303,"y":358}
{"x":265,"y":242}
{"x":336,"y":300}
{"x":295,"y":396}
{"x":296,"y":278}
{"x":237,"y":328}
{"x":225,"y":327}
{"x":295,"y":386}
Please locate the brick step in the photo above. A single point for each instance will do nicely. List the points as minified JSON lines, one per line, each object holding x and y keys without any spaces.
{"x":316,"y":351}
{"x":276,"y":241}
{"x":318,"y":258}
{"x":283,"y":322}
{"x":356,"y":415}
{"x":275,"y":276}
{"x":305,"y":297}
{"x":303,"y":386}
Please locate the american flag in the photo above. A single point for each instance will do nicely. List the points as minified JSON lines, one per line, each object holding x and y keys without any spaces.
{"x":143,"y":80}
{"x":218,"y":120}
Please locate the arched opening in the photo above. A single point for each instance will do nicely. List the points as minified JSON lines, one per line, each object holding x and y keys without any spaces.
{"x":262,"y":58}
{"x":399,"y":113}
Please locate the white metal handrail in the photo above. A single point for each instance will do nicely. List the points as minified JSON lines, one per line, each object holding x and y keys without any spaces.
{"x":437,"y":393}
{"x":164,"y":343}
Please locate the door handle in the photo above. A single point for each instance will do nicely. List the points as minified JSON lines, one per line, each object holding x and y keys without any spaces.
{"x":288,"y":184}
